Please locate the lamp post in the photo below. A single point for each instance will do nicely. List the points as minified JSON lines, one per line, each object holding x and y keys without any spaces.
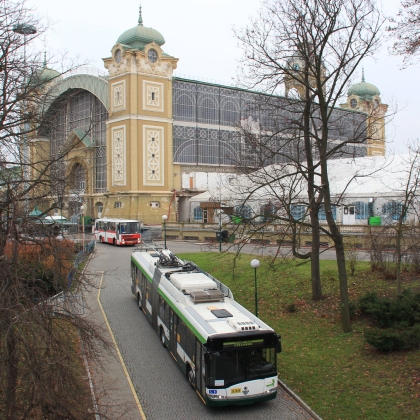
{"x":255,"y":264}
{"x":220,"y":229}
{"x":25,"y":29}
{"x":83,"y":227}
{"x":164,"y":218}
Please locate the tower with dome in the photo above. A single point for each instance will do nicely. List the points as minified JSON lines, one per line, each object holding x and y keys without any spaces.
{"x":365,"y":97}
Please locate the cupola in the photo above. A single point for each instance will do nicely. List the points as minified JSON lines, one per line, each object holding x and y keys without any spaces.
{"x":45,"y":75}
{"x":363,"y":90}
{"x":139,"y":36}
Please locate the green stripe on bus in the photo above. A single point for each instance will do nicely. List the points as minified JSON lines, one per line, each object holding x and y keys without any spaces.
{"x":168,"y":301}
{"x":141,"y":269}
{"x":177,"y":311}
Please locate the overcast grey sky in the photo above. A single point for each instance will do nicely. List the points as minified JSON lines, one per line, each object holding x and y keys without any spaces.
{"x":200,"y":34}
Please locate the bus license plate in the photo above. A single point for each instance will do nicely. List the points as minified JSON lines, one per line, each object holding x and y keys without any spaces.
{"x":235,"y":390}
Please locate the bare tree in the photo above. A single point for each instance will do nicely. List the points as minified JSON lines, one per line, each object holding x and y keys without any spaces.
{"x":397,"y":240}
{"x":40,"y":369}
{"x":406,"y":29}
{"x":315,"y":46}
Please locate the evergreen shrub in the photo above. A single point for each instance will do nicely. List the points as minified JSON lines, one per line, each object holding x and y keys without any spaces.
{"x":396,"y":323}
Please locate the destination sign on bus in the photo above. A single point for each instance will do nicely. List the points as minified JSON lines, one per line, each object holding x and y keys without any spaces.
{"x":246,"y":343}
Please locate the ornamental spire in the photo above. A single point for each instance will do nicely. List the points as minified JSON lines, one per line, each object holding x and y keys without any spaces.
{"x":140,"y":17}
{"x":363,"y":74}
{"x":45,"y":59}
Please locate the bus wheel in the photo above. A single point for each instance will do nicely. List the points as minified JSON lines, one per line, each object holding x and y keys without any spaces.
{"x":139,"y":300}
{"x":162,"y":337}
{"x":100,"y":239}
{"x":190,"y":376}
{"x":114,"y":242}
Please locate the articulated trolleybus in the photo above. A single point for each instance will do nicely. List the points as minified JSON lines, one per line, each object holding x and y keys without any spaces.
{"x":117,"y":231}
{"x":228,"y":355}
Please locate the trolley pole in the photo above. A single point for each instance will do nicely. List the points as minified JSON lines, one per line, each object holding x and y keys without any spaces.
{"x":164,"y":218}
{"x":255,"y":264}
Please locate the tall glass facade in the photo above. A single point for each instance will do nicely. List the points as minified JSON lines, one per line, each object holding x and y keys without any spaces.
{"x":80,"y":109}
{"x":217,"y":125}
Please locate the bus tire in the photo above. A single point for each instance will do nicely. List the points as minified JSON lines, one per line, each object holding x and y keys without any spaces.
{"x":114,"y":242}
{"x":190,"y":376}
{"x":100,"y":239}
{"x":139,"y":300}
{"x":162,"y":337}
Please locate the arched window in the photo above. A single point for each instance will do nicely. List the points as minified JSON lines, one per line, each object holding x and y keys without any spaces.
{"x":79,"y":109}
{"x":208,"y":112}
{"x":198,"y":214}
{"x":297,"y":211}
{"x":184,"y":106}
{"x":229,"y":112}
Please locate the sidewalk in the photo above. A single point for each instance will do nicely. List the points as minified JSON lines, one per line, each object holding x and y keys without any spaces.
{"x":111,"y":387}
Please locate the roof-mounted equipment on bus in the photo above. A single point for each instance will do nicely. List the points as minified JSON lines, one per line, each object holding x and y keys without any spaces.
{"x":242,"y":324}
{"x":207,"y":296}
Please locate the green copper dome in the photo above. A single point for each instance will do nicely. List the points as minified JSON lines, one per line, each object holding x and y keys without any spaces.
{"x":364,"y":90}
{"x":45,"y":74}
{"x":139,"y":36}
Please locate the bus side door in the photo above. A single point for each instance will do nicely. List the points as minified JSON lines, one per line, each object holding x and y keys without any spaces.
{"x":173,"y":321}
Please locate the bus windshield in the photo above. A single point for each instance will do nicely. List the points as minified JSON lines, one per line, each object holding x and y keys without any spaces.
{"x":234,"y":366}
{"x":129,"y":227}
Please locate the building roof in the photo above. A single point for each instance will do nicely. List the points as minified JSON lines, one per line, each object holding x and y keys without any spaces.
{"x":350,"y":178}
{"x":364,"y":90}
{"x":139,"y":36}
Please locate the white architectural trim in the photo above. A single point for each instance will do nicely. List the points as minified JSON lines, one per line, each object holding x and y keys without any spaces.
{"x":153,"y":155}
{"x":119,"y":155}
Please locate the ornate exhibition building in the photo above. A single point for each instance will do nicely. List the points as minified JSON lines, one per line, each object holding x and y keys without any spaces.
{"x":144,"y":136}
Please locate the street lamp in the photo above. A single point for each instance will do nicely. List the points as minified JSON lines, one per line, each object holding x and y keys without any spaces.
{"x":164,"y":218}
{"x":25,"y":29}
{"x":255,"y":264}
{"x":83,"y":227}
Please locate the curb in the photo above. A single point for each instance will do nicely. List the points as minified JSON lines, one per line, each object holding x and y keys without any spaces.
{"x":299,"y":400}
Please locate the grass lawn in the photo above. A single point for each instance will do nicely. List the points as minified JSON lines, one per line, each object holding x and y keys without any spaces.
{"x":338,"y":375}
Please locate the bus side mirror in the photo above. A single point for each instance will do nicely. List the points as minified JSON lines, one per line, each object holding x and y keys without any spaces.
{"x":278,"y":345}
{"x":206,"y":358}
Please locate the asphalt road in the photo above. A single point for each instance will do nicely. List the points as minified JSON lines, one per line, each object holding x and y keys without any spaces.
{"x":162,"y":389}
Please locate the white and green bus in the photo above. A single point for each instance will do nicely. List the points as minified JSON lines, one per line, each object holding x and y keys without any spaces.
{"x":228,"y":355}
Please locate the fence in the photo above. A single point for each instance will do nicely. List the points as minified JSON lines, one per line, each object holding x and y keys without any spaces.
{"x":67,"y":303}
{"x":88,"y":248}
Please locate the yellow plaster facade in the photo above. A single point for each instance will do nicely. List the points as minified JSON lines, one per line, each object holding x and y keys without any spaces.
{"x":140,"y":172}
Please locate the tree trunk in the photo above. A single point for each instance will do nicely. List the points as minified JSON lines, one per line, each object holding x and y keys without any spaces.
{"x":338,"y":240}
{"x":398,"y":262}
{"x":315,"y":264}
{"x":313,"y":205}
{"x":342,"y":279}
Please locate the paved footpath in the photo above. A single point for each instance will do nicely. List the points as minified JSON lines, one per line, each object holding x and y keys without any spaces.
{"x":139,"y":380}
